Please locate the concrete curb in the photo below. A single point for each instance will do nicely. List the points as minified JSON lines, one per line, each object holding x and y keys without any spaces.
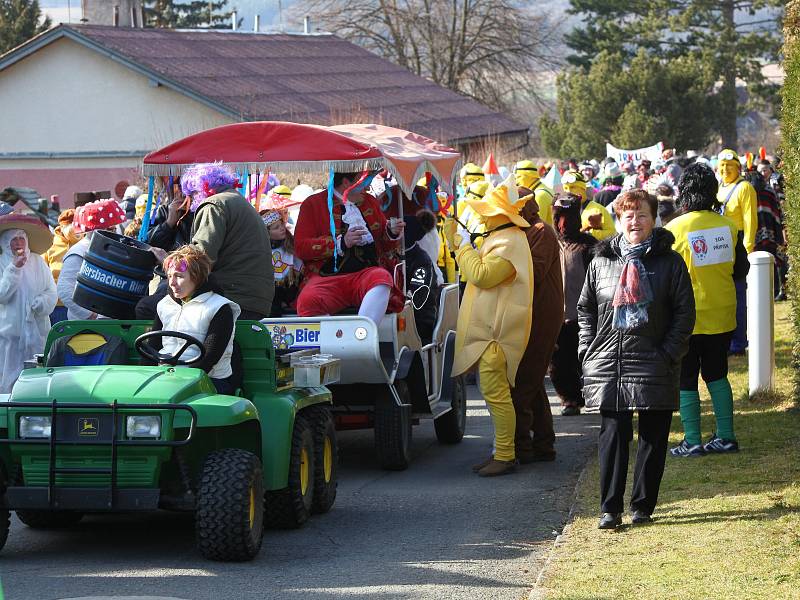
{"x":538,"y":593}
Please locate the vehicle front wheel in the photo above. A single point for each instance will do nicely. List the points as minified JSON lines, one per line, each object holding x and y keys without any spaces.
{"x":290,"y":507}
{"x":5,"y":514}
{"x":451,"y":425}
{"x":229,"y":514}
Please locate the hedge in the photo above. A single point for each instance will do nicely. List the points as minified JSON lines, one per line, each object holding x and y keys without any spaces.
{"x":790,"y":130}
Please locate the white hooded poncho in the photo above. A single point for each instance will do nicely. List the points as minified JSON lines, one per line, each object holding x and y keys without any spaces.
{"x":27,"y":297}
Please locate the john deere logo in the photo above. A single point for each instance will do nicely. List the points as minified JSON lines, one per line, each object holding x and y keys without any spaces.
{"x":87,"y":426}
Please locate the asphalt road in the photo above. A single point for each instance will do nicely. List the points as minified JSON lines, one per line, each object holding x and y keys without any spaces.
{"x":433,"y":531}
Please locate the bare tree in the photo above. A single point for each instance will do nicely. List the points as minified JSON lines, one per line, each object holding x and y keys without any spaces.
{"x":491,"y":50}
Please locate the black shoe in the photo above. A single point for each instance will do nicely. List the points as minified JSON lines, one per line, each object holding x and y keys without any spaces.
{"x":716,"y":445}
{"x":610,"y":521}
{"x":639,"y":517}
{"x":570,"y":410}
{"x":685,"y":449}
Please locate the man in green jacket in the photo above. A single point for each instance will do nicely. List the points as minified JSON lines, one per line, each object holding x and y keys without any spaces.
{"x":229,"y":230}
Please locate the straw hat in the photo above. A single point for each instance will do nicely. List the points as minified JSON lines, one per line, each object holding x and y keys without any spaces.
{"x":500,"y":200}
{"x":39,"y":236}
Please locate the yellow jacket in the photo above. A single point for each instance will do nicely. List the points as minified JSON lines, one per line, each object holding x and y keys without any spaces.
{"x":54,"y":257}
{"x":742,"y":209}
{"x":473,"y":224}
{"x":497,"y":300}
{"x":445,"y":261}
{"x":707,"y":242}
{"x":592,"y":208}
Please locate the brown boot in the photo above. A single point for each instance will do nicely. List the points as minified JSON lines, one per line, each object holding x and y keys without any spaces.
{"x":483,"y":463}
{"x":497,"y":467}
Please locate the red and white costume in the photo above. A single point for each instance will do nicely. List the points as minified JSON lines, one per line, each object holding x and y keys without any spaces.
{"x":330,"y":292}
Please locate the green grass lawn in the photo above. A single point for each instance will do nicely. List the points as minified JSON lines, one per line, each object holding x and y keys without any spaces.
{"x":726,"y":526}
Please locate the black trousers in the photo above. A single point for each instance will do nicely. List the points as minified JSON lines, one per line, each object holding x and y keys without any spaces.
{"x":616,"y":434}
{"x":565,"y":369}
{"x":708,"y":355}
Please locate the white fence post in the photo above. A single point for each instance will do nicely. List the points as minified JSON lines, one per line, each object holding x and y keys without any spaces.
{"x":761,"y":321}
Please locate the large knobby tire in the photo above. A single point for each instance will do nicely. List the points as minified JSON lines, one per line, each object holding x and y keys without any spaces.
{"x":451,"y":425}
{"x":5,"y":514}
{"x":393,"y":428}
{"x":289,"y":508}
{"x":49,"y":519}
{"x":326,"y":458}
{"x":229,"y":517}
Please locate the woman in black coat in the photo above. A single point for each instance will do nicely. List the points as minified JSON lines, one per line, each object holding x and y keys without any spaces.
{"x":636,"y":314}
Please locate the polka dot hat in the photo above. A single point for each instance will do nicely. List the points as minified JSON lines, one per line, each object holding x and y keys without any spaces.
{"x":102,"y":214}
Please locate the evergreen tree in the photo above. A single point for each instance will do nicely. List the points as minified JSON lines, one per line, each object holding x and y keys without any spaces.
{"x":649,"y":100}
{"x":187,"y":15}
{"x":20,"y":20}
{"x":734,"y":37}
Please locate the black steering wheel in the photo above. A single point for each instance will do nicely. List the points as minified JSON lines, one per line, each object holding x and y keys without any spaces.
{"x":163,"y":358}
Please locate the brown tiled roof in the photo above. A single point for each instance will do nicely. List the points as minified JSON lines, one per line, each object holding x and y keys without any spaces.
{"x":318,"y":79}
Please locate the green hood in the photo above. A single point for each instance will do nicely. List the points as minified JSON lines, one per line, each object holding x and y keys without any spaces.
{"x":103,"y":384}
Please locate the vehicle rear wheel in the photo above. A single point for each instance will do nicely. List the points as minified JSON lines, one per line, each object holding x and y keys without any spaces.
{"x":393,"y":428}
{"x":451,"y":425}
{"x":49,"y":519}
{"x":291,"y":507}
{"x":326,"y":458}
{"x":229,"y":514}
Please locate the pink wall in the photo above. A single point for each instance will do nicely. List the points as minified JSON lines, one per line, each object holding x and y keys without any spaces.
{"x":65,"y":182}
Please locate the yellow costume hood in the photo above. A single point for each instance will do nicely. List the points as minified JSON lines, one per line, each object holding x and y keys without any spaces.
{"x":526,"y":173}
{"x":502,"y":200}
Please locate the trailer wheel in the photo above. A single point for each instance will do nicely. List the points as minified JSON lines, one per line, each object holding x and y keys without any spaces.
{"x":326,"y":458}
{"x":229,"y":518}
{"x":451,"y":425}
{"x":393,"y":428}
{"x":49,"y":519}
{"x":289,"y":508}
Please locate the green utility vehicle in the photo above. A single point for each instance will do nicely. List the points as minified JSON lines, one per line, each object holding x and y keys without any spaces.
{"x":123,"y":437}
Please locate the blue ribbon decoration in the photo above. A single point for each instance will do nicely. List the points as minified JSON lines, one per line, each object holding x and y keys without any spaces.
{"x":333,"y":223}
{"x":433,"y":188}
{"x":146,"y":221}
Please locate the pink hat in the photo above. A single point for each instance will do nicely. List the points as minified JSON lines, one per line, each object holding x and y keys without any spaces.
{"x":102,"y":214}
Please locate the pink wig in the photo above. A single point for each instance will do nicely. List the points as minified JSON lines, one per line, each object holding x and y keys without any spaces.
{"x":206,"y":179}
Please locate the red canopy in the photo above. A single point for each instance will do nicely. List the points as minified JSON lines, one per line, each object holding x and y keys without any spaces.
{"x":409,"y":155}
{"x":293,"y":147}
{"x":260,"y":145}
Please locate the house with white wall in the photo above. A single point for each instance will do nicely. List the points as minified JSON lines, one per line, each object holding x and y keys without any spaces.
{"x":80,"y":105}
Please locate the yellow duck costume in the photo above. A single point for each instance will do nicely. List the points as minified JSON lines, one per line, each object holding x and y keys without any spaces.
{"x":574,"y":183}
{"x":526,"y":174}
{"x":494,"y":320}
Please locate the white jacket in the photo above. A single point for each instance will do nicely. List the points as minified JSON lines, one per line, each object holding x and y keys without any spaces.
{"x":27,"y":297}
{"x":193,"y":318}
{"x":71,"y":264}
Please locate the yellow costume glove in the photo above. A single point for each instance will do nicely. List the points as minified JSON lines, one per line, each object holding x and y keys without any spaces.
{"x":450,"y":228}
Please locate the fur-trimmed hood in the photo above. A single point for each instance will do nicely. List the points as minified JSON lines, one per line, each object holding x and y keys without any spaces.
{"x":662,"y":243}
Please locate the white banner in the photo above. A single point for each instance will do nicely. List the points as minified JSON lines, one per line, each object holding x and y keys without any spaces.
{"x":651,"y":153}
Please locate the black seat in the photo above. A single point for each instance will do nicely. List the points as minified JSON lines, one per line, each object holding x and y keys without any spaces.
{"x":84,"y":349}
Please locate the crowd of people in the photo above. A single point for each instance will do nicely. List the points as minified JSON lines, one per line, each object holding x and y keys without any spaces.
{"x":624,"y":284}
